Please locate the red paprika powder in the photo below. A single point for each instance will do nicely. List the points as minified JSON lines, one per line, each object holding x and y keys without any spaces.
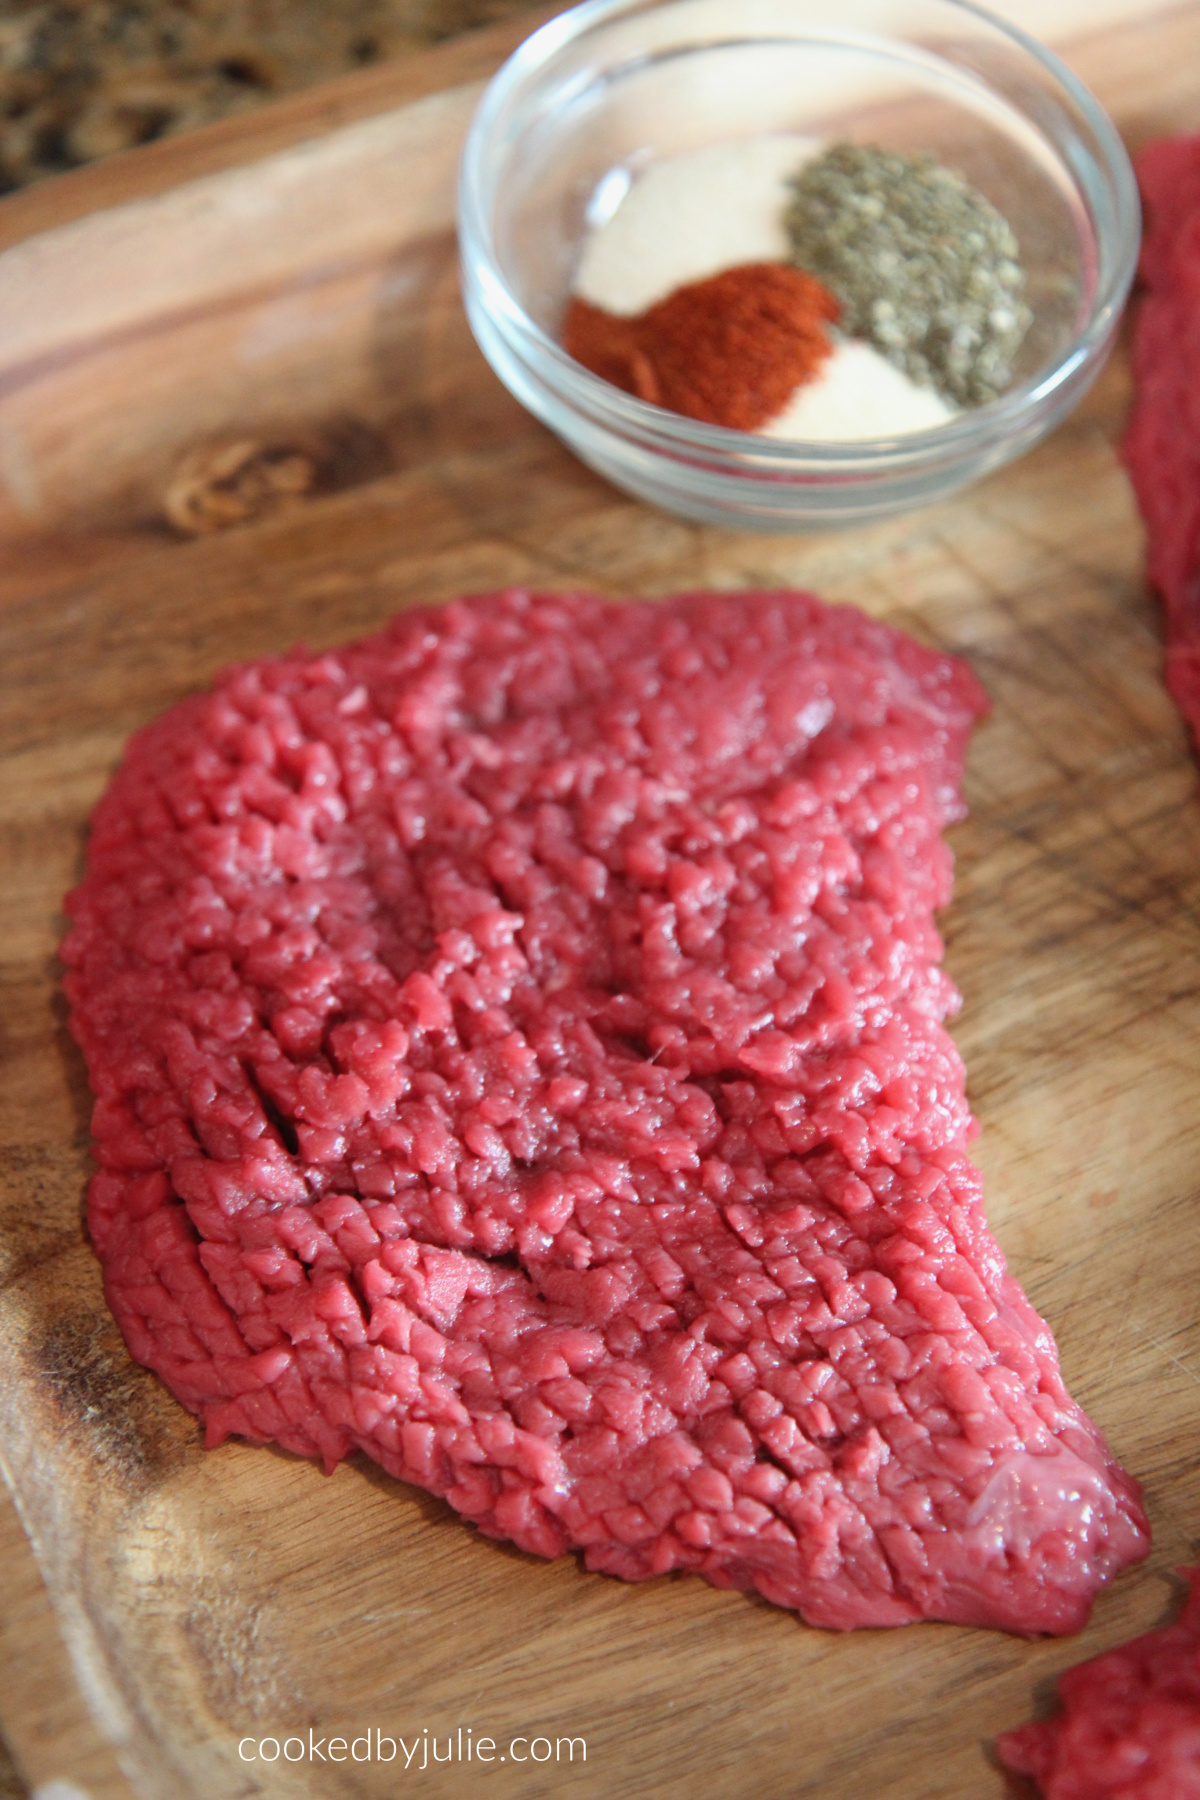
{"x":729,"y":350}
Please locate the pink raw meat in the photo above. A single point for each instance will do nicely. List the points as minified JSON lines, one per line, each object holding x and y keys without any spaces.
{"x":518,"y":1054}
{"x":1129,"y":1728}
{"x":1162,"y":443}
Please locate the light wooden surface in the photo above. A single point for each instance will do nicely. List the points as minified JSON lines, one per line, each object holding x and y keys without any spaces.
{"x":202,"y":1597}
{"x":42,"y":1702}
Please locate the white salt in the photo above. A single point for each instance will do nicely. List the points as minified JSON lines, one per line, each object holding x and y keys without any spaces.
{"x":691,"y":215}
{"x":858,"y":394}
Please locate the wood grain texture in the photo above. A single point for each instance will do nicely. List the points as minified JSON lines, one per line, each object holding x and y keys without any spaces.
{"x":58,"y":1734}
{"x":203,"y":1596}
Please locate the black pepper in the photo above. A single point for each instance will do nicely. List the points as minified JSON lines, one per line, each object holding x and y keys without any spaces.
{"x":922,"y":265}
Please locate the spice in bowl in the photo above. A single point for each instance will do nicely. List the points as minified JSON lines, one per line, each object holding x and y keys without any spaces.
{"x":923,"y":266}
{"x":730,"y":350}
{"x":775,"y":287}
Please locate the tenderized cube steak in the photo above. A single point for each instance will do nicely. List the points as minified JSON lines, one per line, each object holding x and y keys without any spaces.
{"x":1129,"y":1728}
{"x":518,"y":1048}
{"x":1162,"y":442}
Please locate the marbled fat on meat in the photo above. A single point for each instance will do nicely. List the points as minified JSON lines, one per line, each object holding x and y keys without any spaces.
{"x":518,"y":1049}
{"x":1129,"y":1726}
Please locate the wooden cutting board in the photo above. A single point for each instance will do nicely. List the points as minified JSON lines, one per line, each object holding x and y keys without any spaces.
{"x":201,"y":1600}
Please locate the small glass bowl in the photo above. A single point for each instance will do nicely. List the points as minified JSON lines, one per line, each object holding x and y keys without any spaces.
{"x":605,"y":89}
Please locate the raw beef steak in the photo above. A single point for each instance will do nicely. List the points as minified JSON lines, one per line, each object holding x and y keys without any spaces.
{"x":1129,"y":1728}
{"x":518,"y":1054}
{"x":1162,"y":443}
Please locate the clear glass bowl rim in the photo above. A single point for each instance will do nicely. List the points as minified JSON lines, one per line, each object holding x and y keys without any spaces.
{"x":638,"y":421}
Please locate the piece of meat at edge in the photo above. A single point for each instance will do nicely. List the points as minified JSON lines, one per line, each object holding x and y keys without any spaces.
{"x":1129,"y":1722}
{"x":518,"y":1049}
{"x":1161,"y":447}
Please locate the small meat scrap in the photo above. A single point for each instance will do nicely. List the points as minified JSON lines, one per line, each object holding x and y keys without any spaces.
{"x":1129,"y":1727}
{"x":1162,"y":443}
{"x":518,"y":1053}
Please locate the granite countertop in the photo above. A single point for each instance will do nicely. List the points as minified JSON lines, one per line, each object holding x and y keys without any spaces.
{"x":81,"y":79}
